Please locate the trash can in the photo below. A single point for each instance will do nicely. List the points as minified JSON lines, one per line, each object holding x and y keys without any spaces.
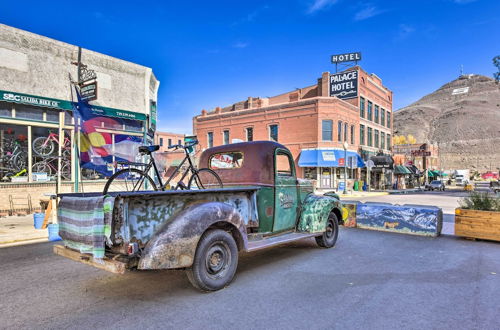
{"x":38,"y":220}
{"x":356,"y":185}
{"x":54,"y":232}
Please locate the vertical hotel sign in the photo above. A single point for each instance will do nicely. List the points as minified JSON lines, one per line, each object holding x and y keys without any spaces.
{"x":153,"y":113}
{"x":344,"y":85}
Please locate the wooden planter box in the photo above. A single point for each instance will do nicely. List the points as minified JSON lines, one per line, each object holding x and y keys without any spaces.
{"x":477,"y":224}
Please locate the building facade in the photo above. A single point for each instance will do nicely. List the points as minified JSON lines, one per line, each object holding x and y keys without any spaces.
{"x":37,"y":101}
{"x":313,"y":125}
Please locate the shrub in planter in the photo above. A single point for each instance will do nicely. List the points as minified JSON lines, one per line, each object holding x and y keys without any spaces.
{"x":478,"y":217}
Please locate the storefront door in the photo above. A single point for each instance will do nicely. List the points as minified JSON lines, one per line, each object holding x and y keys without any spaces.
{"x":326,"y":177}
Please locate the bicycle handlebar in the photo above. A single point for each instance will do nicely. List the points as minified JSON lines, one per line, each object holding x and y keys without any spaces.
{"x":187,"y":145}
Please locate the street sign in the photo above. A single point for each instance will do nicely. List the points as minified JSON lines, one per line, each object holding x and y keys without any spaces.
{"x":88,"y":92}
{"x":420,"y":153}
{"x":341,"y":162}
{"x":370,"y":164}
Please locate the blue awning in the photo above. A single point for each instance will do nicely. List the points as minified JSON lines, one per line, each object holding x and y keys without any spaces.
{"x":327,"y":158}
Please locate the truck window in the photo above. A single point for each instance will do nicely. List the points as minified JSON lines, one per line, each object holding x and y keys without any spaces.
{"x":283,"y":166}
{"x":226,"y":160}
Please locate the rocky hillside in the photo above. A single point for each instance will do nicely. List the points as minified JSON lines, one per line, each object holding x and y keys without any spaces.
{"x":462,"y":117}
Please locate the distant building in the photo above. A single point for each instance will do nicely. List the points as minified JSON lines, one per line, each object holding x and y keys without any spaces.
{"x":166,"y":139}
{"x":313,"y":125}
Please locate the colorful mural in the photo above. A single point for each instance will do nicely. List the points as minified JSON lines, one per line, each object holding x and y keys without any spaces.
{"x":408,"y":219}
{"x":349,"y":214}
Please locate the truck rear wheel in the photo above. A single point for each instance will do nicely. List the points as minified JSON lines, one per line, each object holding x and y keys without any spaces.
{"x":215,"y":261}
{"x":329,"y":237}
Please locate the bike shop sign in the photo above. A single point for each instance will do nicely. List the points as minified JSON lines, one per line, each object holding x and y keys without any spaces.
{"x":344,"y":85}
{"x":31,"y":100}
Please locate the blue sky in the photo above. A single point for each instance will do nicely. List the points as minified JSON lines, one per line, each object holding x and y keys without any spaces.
{"x":214,"y":53}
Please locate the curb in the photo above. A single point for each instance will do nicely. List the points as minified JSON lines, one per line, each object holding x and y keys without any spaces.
{"x":23,"y":242}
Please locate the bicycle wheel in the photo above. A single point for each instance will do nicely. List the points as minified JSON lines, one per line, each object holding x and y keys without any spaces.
{"x":19,"y":161}
{"x":129,"y":179}
{"x":41,"y":167}
{"x":65,"y":170}
{"x":205,"y":178}
{"x":43,"y":148}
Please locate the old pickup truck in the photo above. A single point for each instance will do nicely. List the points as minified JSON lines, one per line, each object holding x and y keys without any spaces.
{"x":262,"y":204}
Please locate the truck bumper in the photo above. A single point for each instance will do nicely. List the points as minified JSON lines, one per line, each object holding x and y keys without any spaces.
{"x":110,"y":265}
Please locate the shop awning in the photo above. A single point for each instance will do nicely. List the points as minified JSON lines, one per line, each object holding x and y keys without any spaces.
{"x":328,"y":158}
{"x":400,"y":169}
{"x":382,"y":161}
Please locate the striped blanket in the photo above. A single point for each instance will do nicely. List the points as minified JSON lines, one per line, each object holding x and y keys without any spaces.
{"x":85,"y":223}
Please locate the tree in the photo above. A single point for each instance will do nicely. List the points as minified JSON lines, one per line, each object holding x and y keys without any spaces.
{"x":399,"y":139}
{"x":411,"y":139}
{"x":496,"y":62}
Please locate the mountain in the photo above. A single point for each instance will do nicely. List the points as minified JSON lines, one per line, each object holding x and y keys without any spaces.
{"x":462,"y":118}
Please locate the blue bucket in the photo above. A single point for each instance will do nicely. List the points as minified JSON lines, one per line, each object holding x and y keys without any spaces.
{"x":54,"y":232}
{"x":38,"y":220}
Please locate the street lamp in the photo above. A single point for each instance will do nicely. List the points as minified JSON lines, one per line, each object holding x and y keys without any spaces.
{"x":345,"y":145}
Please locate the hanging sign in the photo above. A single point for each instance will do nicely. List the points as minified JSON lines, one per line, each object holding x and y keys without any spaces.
{"x":88,"y":92}
{"x":344,"y":85}
{"x":348,"y":57}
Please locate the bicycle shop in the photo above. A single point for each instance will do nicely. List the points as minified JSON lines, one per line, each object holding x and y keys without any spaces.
{"x":37,"y":126}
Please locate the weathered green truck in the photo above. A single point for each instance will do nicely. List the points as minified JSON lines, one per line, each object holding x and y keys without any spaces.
{"x":262,"y":204}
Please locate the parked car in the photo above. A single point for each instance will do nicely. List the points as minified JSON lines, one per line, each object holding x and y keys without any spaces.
{"x":495,"y":186}
{"x":263,"y":204}
{"x":436,"y":185}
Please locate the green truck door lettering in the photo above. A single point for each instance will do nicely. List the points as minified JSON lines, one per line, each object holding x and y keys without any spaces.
{"x":285,"y":197}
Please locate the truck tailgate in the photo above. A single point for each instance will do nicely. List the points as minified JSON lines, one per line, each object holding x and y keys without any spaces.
{"x":110,"y":265}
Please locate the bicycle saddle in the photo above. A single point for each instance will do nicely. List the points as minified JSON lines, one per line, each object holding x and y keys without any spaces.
{"x":148,"y":149}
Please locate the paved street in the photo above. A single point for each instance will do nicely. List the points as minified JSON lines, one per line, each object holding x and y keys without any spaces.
{"x":370,"y":280}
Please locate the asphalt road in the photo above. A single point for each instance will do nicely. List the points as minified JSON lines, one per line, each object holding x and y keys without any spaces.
{"x":370,"y":280}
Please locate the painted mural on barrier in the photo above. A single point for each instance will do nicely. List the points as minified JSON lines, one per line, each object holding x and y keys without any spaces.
{"x":409,"y":219}
{"x":349,"y":214}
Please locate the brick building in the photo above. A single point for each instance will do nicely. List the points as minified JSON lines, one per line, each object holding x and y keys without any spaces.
{"x":312,"y":124}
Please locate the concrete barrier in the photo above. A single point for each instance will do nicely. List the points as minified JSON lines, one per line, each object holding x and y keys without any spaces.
{"x":406,"y":219}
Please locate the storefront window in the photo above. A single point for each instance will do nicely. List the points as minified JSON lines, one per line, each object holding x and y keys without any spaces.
{"x":6,"y":109}
{"x":45,"y":147}
{"x":13,"y":153}
{"x":327,"y":130}
{"x":68,"y":118}
{"x":310,"y":173}
{"x":133,"y":125}
{"x":27,"y":112}
{"x":52,"y":115}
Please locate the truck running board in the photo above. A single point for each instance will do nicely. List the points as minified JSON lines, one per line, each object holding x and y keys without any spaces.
{"x":277,"y":240}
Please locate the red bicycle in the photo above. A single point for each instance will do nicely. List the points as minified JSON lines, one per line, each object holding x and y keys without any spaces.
{"x":45,"y":145}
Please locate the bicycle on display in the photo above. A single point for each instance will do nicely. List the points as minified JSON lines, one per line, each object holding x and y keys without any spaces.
{"x":44,"y":146}
{"x":13,"y":155}
{"x":134,"y":179}
{"x":47,"y":165}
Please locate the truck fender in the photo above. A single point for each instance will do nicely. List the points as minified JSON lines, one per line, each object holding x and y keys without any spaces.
{"x":174,"y":245}
{"x":315,"y":211}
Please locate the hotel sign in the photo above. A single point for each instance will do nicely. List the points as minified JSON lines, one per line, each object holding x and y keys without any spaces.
{"x":348,"y":57}
{"x":344,"y":85}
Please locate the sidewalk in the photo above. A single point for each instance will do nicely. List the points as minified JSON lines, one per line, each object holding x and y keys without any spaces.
{"x":17,"y":230}
{"x":352,"y":193}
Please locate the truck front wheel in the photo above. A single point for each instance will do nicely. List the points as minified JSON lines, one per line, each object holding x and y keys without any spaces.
{"x":329,"y":237}
{"x":215,"y":261}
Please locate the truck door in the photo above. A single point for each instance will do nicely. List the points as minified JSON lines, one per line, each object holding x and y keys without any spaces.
{"x":285,"y":192}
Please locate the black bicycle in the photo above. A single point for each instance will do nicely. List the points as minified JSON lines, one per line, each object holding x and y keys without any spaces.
{"x":133,"y":179}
